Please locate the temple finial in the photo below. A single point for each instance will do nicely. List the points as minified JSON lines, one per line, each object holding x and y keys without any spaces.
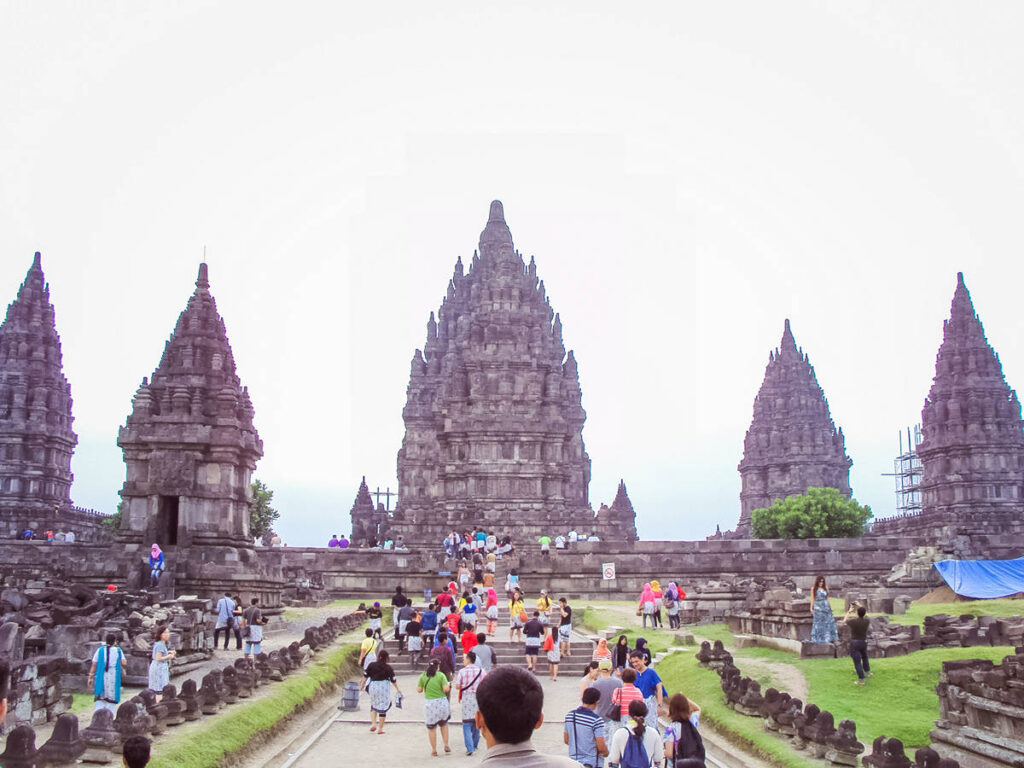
{"x":788,"y":342}
{"x":497,"y":212}
{"x":496,"y":234}
{"x":203,"y":280}
{"x":37,"y":261}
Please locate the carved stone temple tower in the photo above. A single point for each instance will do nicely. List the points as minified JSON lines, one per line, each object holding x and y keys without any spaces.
{"x":494,"y":420}
{"x":190,"y":448}
{"x":972,"y":454}
{"x":792,"y":443}
{"x":36,"y":440}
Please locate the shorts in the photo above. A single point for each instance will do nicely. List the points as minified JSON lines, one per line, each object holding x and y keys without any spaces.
{"x":533,"y":650}
{"x":469,"y":619}
{"x":415,"y":643}
{"x":516,"y":622}
{"x":374,"y":623}
{"x":252,"y":647}
{"x":402,"y":625}
{"x":544,"y":619}
{"x":437,"y":712}
{"x":554,"y":656}
{"x":565,"y":632}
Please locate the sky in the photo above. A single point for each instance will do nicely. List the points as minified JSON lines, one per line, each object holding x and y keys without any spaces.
{"x":687,"y":175}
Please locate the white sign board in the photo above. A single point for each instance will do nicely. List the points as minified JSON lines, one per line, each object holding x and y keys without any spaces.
{"x":607,"y":571}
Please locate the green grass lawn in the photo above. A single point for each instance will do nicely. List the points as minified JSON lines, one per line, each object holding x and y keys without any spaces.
{"x":210,"y":740}
{"x":338,"y":606}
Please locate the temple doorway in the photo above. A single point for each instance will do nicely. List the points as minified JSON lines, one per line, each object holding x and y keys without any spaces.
{"x":167,"y":521}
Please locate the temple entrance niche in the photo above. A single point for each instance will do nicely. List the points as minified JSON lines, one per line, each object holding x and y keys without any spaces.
{"x":166,"y":523}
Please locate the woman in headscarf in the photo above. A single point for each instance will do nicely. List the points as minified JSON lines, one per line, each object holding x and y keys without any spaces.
{"x":111,"y":662}
{"x":156,"y":564}
{"x":671,"y":600}
{"x":641,"y":645}
{"x":658,"y":601}
{"x":492,"y":611}
{"x":602,"y":651}
{"x":620,"y":654}
{"x":645,"y":607}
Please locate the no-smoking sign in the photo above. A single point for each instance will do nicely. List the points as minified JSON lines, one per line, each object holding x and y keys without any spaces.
{"x":607,"y":571}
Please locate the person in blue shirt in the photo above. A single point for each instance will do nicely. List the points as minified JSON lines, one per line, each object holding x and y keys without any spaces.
{"x":428,"y":625}
{"x":650,"y":685}
{"x":584,"y":731}
{"x":156,"y":564}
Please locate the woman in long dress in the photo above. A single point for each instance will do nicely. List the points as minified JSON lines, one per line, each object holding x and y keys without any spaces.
{"x":645,"y":606}
{"x":160,"y":666}
{"x":380,"y":678}
{"x":111,"y":663}
{"x":823,"y":630}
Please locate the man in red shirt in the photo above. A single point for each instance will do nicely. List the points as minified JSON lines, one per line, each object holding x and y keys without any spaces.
{"x":469,"y":641}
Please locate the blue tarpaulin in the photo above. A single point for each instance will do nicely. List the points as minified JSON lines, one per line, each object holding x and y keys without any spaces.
{"x":983,"y":578}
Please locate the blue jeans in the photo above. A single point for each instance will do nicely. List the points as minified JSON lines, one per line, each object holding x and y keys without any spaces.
{"x":470,"y":735}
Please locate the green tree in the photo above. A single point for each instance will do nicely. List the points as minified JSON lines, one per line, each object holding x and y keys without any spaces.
{"x":261,"y":514}
{"x":820,"y":513}
{"x":113,"y":522}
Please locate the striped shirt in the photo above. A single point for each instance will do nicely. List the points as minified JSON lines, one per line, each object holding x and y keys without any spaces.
{"x":584,"y":727}
{"x":624,"y":695}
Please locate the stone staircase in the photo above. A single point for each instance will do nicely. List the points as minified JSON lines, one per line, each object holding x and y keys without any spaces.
{"x":506,"y":652}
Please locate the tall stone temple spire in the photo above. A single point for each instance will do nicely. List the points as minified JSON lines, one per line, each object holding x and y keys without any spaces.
{"x":36,"y":439}
{"x":189,"y":444}
{"x":972,"y":452}
{"x":792,"y":444}
{"x":494,"y":415}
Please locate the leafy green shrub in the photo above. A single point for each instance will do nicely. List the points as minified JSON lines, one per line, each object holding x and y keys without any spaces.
{"x":820,"y":513}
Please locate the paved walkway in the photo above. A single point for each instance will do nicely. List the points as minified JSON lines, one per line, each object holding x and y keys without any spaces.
{"x":405,"y":739}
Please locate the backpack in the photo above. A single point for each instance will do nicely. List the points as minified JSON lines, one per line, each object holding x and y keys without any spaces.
{"x":634,"y":755}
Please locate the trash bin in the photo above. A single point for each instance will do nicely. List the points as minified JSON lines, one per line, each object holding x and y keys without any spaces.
{"x":350,"y":696}
{"x":426,"y":594}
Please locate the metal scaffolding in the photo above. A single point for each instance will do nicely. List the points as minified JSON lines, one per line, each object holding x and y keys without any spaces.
{"x":907,"y":473}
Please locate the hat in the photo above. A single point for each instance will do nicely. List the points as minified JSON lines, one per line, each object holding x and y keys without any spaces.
{"x":543,"y":591}
{"x":604,"y":664}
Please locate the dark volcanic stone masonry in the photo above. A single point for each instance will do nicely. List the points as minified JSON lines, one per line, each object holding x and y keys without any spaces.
{"x":189,"y":444}
{"x":494,"y":417}
{"x":792,"y":443}
{"x":36,"y":440}
{"x":972,"y":454}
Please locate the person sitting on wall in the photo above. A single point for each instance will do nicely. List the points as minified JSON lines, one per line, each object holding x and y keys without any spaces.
{"x":69,"y":537}
{"x":343,"y":543}
{"x":28,"y":534}
{"x":334,"y":541}
{"x":156,"y":564}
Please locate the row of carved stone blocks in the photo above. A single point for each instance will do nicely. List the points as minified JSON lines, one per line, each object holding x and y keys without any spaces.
{"x":808,"y":728}
{"x":149,"y":716}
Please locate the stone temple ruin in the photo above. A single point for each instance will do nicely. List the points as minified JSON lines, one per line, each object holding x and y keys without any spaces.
{"x":494,"y":417}
{"x":36,"y":437}
{"x":190,"y":448}
{"x":792,"y":444}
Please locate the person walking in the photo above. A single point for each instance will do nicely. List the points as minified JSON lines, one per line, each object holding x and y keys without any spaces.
{"x":253,"y":621}
{"x":627,"y":694}
{"x":544,"y":607}
{"x":414,"y":639}
{"x":641,"y":646}
{"x":375,"y":615}
{"x":859,"y":626}
{"x":636,"y":744}
{"x":620,"y":655}
{"x":659,"y":601}
{"x":379,"y":680}
{"x":650,"y":685}
{"x":110,"y":660}
{"x":601,"y":651}
{"x":590,"y":675}
{"x":682,"y":742}
{"x":444,"y":654}
{"x":368,"y":650}
{"x":607,"y":684}
{"x":545,"y":545}
{"x":434,"y":686}
{"x":156,"y":564}
{"x":565,"y":627}
{"x":583,"y":731}
{"x":492,"y":611}
{"x":160,"y":666}
{"x":517,"y":610}
{"x":466,"y":682}
{"x":553,"y":654}
{"x":485,"y":656}
{"x":823,"y":628}
{"x":397,"y":601}
{"x":533,"y":630}
{"x":671,"y":601}
{"x":225,"y":620}
{"x":645,"y":607}
{"x":236,"y":625}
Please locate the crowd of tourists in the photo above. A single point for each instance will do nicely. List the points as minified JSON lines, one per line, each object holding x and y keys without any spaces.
{"x":51,"y":537}
{"x":653,"y":600}
{"x":564,"y":541}
{"x":621,"y":694}
{"x":468,"y":545}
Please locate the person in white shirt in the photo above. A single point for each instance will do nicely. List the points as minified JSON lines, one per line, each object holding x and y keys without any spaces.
{"x":573,"y":537}
{"x":69,"y":537}
{"x":559,"y":541}
{"x":635,"y":729}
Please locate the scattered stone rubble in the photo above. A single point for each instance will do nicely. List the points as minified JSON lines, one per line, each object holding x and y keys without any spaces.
{"x":143,"y":715}
{"x":813,"y":730}
{"x":981,"y":711}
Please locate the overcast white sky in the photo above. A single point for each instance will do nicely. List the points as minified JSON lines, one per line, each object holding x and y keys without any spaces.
{"x":687,"y":176}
